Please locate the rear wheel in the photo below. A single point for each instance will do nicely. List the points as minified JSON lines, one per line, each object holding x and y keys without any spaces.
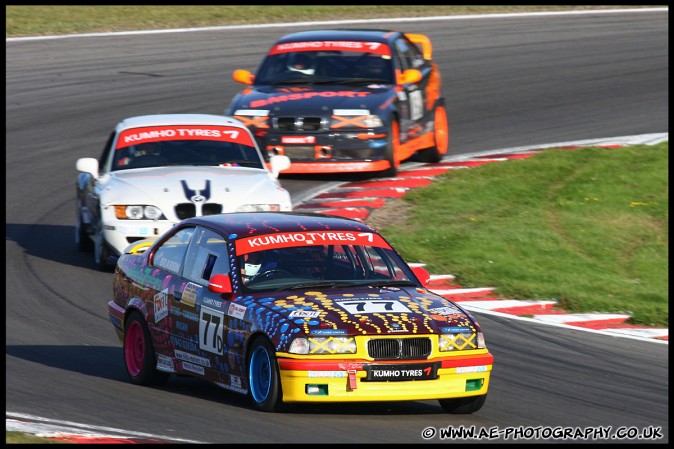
{"x":392,"y":150}
{"x":463,"y":406}
{"x":263,"y":376}
{"x":139,"y":356}
{"x":441,"y":137}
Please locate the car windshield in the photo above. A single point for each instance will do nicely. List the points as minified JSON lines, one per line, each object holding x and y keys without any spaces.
{"x":162,"y":145}
{"x":324,"y":67}
{"x":324,"y":266}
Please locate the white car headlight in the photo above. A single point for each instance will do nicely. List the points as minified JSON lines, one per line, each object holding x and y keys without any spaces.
{"x":323,"y":345}
{"x":137,"y":212}
{"x":259,"y":208}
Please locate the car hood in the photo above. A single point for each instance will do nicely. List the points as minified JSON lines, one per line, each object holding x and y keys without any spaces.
{"x":369,"y":311}
{"x":165,"y":187}
{"x":309,"y":99}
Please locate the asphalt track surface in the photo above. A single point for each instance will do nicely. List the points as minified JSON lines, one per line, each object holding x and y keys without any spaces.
{"x":508,"y":82}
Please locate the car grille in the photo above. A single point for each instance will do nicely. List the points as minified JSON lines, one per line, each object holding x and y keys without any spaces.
{"x":300,"y":124}
{"x":188,"y":210}
{"x":399,"y":348}
{"x":299,"y":152}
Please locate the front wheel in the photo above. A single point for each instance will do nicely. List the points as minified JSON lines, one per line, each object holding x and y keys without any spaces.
{"x":82,"y":239}
{"x":102,"y":254}
{"x":463,"y":406}
{"x":392,"y":150}
{"x":263,"y":376}
{"x":139,"y":355}
{"x":440,"y":137}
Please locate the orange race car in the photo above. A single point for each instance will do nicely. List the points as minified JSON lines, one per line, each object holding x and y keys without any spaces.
{"x":346,"y":101}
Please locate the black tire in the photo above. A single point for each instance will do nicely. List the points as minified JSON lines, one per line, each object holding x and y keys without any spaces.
{"x":393,"y":141}
{"x":140,"y":359}
{"x":264,"y":380}
{"x":102,"y":255}
{"x":463,"y":406}
{"x":82,"y":239}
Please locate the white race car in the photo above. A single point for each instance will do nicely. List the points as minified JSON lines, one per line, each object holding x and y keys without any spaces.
{"x":156,"y":170}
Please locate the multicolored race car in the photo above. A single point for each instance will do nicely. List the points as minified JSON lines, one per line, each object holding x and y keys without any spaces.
{"x":156,"y":170}
{"x":346,"y":101}
{"x":294,"y":308}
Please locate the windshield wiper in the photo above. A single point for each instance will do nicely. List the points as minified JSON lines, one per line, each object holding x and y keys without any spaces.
{"x":322,"y":284}
{"x":390,"y":283}
{"x":361,"y":81}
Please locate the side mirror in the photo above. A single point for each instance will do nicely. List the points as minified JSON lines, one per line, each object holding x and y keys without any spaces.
{"x":88,"y":165}
{"x":278,"y":163}
{"x":422,"y":274}
{"x":409,"y":76}
{"x":220,"y":283}
{"x":243,"y":76}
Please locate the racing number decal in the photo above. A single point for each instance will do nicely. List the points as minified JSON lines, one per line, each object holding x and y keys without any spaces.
{"x":363,"y":306}
{"x":211,"y":325}
{"x":416,"y":105}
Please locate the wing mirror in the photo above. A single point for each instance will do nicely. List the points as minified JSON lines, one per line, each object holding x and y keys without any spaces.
{"x":243,"y":76}
{"x":88,"y":165}
{"x":278,"y":163}
{"x":422,"y":274}
{"x":220,"y":283}
{"x":409,"y":76}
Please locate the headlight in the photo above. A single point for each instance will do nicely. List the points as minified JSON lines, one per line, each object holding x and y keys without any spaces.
{"x":460,"y":341}
{"x":323,"y":345}
{"x":259,"y":208}
{"x":253,"y":118}
{"x":137,"y":212}
{"x":355,"y":119}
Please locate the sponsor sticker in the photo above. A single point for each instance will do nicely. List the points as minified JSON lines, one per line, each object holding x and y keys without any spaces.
{"x":190,"y":294}
{"x":191,"y":358}
{"x":471,"y":369}
{"x":304,"y":314}
{"x":165,"y":363}
{"x":236,"y":311}
{"x":182,"y":132}
{"x":360,"y":46}
{"x":327,"y":374}
{"x":160,"y":305}
{"x":298,"y":140}
{"x":402,"y":372}
{"x":289,"y":239}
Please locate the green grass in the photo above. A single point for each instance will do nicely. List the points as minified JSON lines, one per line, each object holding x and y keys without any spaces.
{"x":24,"y":438}
{"x":587,"y":228}
{"x":37,"y":20}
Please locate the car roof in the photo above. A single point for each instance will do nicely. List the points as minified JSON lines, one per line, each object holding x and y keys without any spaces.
{"x":250,"y":224}
{"x":341,"y":34}
{"x":178,"y":119}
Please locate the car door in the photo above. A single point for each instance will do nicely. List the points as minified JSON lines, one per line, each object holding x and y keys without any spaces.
{"x":200,"y":317}
{"x":413,"y":98}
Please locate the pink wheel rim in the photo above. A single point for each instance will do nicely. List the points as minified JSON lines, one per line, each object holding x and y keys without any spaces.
{"x":134,"y":348}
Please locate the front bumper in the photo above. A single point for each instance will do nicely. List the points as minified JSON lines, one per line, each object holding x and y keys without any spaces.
{"x":118,"y":234}
{"x":330,"y":152}
{"x":345,"y":381}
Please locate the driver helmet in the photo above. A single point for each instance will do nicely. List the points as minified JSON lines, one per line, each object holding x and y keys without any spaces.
{"x":252,"y":264}
{"x":302,"y":62}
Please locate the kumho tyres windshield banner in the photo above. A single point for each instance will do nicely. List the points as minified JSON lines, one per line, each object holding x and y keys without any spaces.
{"x":181,"y":132}
{"x":290,"y":239}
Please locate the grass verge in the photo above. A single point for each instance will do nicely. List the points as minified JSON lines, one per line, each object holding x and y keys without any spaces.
{"x":587,"y":228}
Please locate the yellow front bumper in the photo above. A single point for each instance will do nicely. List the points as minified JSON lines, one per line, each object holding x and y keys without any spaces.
{"x":468,"y":377}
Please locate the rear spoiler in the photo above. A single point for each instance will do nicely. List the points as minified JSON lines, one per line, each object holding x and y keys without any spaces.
{"x":424,"y":44}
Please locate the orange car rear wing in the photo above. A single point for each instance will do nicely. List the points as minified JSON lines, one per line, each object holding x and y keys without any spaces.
{"x":424,"y":42}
